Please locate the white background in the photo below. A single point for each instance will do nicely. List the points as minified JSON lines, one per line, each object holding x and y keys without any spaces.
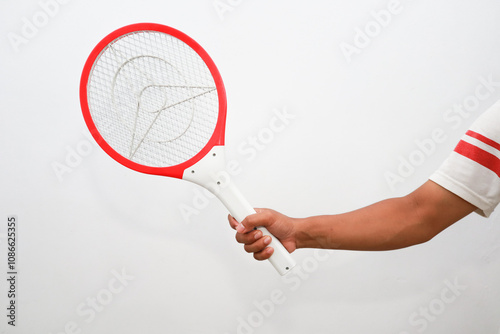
{"x":355,"y":117}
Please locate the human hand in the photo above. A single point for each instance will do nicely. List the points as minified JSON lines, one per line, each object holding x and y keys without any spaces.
{"x":279,"y":225}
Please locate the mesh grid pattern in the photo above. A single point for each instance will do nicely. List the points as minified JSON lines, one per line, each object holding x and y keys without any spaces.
{"x":152,"y":99}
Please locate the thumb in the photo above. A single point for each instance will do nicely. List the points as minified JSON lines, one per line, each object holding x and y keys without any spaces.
{"x":244,"y":227}
{"x":251,"y":222}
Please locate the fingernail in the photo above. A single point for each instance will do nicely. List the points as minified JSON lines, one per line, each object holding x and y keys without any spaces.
{"x":258,"y":235}
{"x":240,"y":228}
{"x":267,"y":240}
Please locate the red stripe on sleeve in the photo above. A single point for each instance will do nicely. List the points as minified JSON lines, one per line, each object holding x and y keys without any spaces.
{"x":479,"y":155}
{"x":484,"y":139}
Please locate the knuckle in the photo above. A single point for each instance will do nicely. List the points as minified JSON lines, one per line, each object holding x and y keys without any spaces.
{"x":269,"y":215}
{"x":248,"y":248}
{"x":261,"y":256}
{"x":249,"y":220}
{"x":241,"y":238}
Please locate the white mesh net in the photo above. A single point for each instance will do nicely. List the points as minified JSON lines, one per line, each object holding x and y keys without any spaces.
{"x":152,"y":99}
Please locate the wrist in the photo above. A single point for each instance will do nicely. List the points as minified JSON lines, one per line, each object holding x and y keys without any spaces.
{"x":316,"y":232}
{"x":303,"y":236}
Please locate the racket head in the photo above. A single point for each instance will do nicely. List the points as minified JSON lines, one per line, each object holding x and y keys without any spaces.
{"x":153,"y":99}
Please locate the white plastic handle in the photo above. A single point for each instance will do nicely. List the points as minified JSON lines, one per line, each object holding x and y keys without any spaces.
{"x":240,"y":209}
{"x":281,"y":260}
{"x":210,"y":173}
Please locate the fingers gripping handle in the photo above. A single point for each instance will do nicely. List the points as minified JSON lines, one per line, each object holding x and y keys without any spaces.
{"x":209,"y":173}
{"x":281,"y":259}
{"x":239,"y":209}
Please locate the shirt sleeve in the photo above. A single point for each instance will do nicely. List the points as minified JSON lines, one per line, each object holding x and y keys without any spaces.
{"x":472,"y":171}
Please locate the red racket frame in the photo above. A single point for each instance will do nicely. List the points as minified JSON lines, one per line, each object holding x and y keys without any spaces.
{"x":218,"y":135}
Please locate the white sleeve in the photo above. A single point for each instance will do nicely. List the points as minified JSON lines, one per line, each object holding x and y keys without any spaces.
{"x":472,"y":171}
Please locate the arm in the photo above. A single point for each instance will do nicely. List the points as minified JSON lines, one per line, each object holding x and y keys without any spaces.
{"x":390,"y":224}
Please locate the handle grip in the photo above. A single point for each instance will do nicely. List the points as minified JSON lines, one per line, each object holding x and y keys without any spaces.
{"x":240,"y":209}
{"x":209,"y":173}
{"x":281,"y":259}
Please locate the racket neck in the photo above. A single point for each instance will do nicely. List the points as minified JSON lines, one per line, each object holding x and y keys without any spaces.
{"x":210,"y":173}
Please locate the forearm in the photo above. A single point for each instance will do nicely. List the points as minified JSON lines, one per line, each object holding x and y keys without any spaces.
{"x":389,"y":224}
